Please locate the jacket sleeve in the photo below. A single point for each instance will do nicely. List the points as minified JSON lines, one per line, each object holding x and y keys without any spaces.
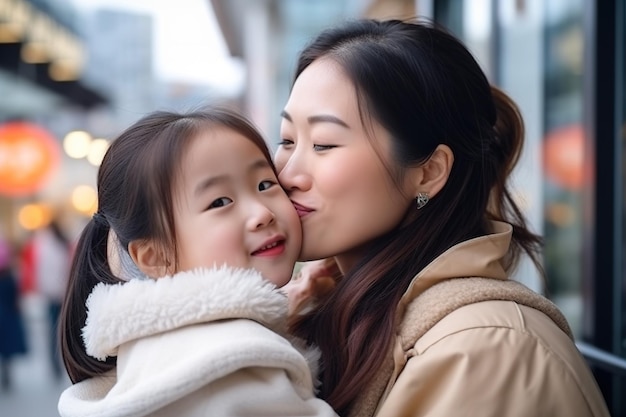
{"x":493,"y":372}
{"x":254,"y":391}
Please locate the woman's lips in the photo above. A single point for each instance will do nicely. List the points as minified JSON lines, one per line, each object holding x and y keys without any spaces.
{"x":302,"y":210}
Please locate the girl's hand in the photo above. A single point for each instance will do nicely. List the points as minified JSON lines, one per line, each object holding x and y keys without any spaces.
{"x":314,"y":280}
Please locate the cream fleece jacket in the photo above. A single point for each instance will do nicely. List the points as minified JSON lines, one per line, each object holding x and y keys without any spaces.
{"x":201,"y":343}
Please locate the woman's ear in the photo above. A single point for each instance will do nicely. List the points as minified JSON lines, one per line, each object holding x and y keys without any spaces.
{"x":149,"y":258}
{"x":434,"y":173}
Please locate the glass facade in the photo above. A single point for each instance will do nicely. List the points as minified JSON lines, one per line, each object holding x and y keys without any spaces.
{"x":604,"y":116}
{"x":563,"y":156}
{"x":563,"y":62}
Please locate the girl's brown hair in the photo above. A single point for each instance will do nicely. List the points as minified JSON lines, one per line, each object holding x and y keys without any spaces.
{"x":135,"y":183}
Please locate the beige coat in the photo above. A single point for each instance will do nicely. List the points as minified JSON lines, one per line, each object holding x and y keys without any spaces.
{"x":486,"y":347}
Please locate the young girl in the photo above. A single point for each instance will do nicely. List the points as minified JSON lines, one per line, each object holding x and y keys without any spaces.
{"x":172,"y":307}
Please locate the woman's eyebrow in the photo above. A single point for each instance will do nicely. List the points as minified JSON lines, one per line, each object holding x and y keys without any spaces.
{"x":321,"y":118}
{"x":286,"y":115}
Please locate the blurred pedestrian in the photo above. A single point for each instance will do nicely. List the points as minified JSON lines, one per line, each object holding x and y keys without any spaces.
{"x":51,"y":257}
{"x":12,"y":335}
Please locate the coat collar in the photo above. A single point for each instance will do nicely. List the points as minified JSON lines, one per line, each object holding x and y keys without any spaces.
{"x":478,"y":257}
{"x":120,"y":313}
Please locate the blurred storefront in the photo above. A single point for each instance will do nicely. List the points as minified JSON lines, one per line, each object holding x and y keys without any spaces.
{"x":81,"y":76}
{"x":41,"y":58}
{"x":42,"y":90}
{"x":563,"y":63}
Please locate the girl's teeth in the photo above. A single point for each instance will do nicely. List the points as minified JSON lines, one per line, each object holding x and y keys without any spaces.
{"x":269,"y":246}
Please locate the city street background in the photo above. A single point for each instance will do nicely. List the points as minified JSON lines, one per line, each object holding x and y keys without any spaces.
{"x":35,"y":391}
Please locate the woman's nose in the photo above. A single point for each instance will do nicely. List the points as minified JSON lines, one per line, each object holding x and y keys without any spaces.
{"x":293,"y":174}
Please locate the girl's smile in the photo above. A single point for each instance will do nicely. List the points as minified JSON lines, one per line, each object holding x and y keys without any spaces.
{"x":274,"y":247}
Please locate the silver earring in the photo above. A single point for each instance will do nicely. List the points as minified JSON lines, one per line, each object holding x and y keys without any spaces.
{"x":421,"y":200}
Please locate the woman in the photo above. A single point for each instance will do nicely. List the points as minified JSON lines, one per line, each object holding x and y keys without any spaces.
{"x":395,"y":152}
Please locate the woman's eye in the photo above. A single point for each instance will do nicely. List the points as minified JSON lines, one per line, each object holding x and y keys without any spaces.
{"x":285,"y":142}
{"x":323,"y":147}
{"x":220,"y":202}
{"x":264,"y":185}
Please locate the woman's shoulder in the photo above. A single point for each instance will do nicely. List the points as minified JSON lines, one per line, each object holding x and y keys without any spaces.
{"x":494,"y":358}
{"x":494,"y":317}
{"x":456,"y":304}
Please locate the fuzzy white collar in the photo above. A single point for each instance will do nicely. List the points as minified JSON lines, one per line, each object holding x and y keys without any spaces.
{"x":124,"y":312}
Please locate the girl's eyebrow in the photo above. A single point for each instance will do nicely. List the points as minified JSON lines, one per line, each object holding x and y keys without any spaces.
{"x":260,"y":163}
{"x":208,"y":183}
{"x":321,"y":118}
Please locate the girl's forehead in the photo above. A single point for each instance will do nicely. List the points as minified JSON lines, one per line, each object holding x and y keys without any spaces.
{"x":219,"y":152}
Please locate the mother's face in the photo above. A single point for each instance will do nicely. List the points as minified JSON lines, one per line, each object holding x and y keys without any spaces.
{"x":334,"y":173}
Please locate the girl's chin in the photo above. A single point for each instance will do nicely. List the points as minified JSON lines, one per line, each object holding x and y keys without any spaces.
{"x":279,"y":280}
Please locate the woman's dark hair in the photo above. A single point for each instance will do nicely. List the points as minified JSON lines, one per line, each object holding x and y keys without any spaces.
{"x":135,"y":184}
{"x":424,"y":87}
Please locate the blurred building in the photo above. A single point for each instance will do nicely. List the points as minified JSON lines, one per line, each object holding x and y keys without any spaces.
{"x":41,"y":59}
{"x":183,"y":96}
{"x":267,"y":35}
{"x":42,"y":62}
{"x":120,"y":62}
{"x":563,"y":62}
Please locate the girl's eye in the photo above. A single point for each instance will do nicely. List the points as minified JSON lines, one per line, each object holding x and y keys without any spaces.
{"x":264,"y":185}
{"x":220,"y":202}
{"x":323,"y":147}
{"x":285,"y":142}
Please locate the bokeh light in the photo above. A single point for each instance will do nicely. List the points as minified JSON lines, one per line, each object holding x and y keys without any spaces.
{"x":76,"y":144}
{"x":33,"y":216}
{"x":85,"y":199}
{"x":97,"y":149}
{"x":29,"y":156}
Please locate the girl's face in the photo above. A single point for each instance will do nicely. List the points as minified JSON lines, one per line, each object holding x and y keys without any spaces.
{"x":230,"y":209}
{"x":338,"y":182}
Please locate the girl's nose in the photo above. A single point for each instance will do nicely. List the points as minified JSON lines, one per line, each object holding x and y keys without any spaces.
{"x":260,"y":217}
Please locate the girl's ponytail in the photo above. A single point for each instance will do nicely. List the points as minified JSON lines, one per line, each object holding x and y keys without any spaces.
{"x":136,"y":203}
{"x":89,"y":267}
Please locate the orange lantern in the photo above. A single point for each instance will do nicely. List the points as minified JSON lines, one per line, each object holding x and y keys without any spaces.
{"x":28,"y":156}
{"x":564,"y":156}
